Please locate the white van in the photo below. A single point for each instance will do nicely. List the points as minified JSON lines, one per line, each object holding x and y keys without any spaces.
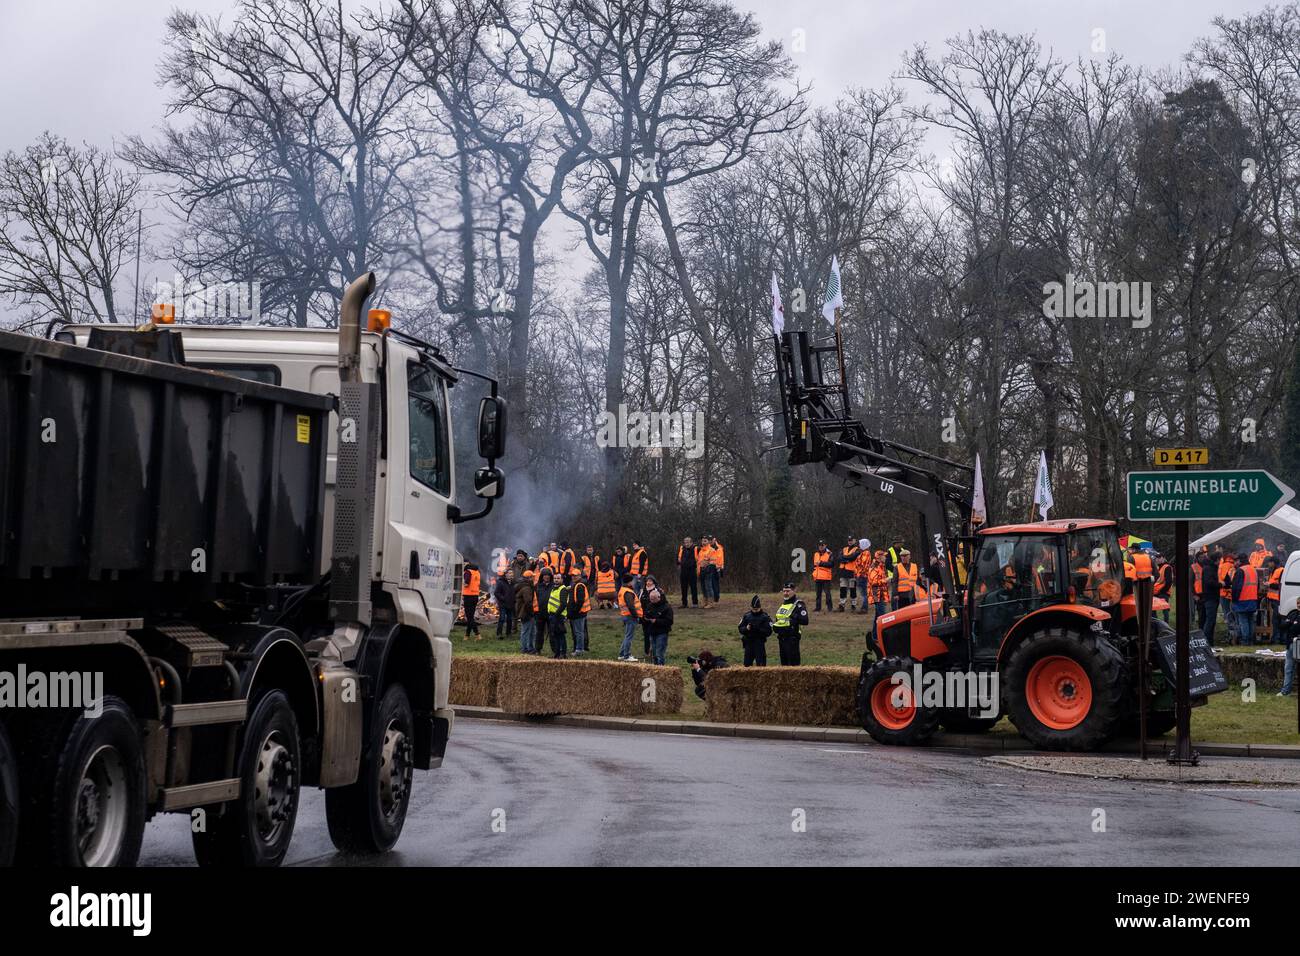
{"x":1290,"y":584}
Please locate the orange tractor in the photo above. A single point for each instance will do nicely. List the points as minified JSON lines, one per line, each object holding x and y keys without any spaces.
{"x":1032,"y":621}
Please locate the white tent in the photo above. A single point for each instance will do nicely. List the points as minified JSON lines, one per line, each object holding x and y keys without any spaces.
{"x":1286,"y":519}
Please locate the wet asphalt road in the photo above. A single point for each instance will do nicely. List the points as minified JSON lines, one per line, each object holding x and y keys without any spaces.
{"x":578,"y":797}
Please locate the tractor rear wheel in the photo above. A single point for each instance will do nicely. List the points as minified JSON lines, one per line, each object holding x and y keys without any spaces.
{"x":891,"y":711}
{"x":1065,"y":690}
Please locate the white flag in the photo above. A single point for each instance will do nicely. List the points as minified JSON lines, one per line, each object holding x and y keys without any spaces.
{"x":979,"y":512}
{"x":1043,"y":487}
{"x":834,"y":298}
{"x":778,"y":313}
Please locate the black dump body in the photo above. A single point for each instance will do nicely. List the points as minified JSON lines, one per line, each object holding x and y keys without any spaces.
{"x":137,"y":487}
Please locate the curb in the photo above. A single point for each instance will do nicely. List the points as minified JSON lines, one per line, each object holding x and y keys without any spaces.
{"x":848,"y":735}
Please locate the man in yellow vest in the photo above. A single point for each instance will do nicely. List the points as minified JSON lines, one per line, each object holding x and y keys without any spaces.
{"x":790,"y":616}
{"x":557,"y":607}
{"x":906,"y":577}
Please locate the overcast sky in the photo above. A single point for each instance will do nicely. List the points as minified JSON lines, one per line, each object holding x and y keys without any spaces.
{"x":86,"y":68}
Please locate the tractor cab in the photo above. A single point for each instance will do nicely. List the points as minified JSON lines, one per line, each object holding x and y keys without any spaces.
{"x":1024,"y":570}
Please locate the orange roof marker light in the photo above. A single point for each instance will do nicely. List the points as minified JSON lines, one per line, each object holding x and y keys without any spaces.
{"x":163,"y":313}
{"x":378,"y":320}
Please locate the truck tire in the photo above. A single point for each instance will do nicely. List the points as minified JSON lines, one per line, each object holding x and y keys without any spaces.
{"x":889,"y":712}
{"x":367,"y":816}
{"x":255,"y":829}
{"x":91,"y":799}
{"x":1065,"y":689}
{"x":8,"y":800}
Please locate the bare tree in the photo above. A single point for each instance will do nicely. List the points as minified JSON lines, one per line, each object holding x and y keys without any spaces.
{"x":314,"y":107}
{"x":67,"y":224}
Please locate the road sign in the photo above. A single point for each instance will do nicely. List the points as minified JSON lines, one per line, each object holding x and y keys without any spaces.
{"x":1204,"y":495}
{"x":1182,"y":456}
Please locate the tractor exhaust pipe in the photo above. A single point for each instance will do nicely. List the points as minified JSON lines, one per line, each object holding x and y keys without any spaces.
{"x":354,"y":300}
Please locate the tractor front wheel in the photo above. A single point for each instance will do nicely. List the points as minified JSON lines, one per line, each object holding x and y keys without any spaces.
{"x":889,"y":708}
{"x":1065,"y":689}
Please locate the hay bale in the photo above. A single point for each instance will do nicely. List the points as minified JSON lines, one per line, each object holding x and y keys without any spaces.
{"x":540,"y":687}
{"x":474,"y":680}
{"x":1266,"y":671}
{"x":802,"y":696}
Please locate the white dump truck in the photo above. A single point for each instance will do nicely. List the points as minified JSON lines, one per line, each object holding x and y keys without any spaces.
{"x":228,"y":570}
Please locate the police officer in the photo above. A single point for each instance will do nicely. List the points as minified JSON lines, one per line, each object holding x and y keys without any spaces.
{"x":790,"y":616}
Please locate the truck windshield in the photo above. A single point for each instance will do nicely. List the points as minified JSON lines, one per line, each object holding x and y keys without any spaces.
{"x":1096,"y":567}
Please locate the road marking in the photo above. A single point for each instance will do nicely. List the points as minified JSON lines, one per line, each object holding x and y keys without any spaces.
{"x":826,"y":751}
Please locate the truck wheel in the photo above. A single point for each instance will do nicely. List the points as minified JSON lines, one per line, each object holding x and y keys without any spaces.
{"x":1065,"y":689}
{"x":890,"y":712}
{"x":255,"y":829}
{"x":8,"y":800}
{"x":93,"y":799}
{"x":367,"y":816}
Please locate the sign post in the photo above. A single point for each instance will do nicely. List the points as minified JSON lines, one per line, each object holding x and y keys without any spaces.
{"x":1181,"y":496}
{"x":1143,"y":591}
{"x":1183,"y":753}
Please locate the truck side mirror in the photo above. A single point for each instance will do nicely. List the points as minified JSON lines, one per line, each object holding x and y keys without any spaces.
{"x":489,"y":482}
{"x":491,"y":433}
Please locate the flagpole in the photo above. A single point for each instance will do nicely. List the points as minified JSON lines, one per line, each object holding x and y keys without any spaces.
{"x":1033,"y":495}
{"x":839,"y":350}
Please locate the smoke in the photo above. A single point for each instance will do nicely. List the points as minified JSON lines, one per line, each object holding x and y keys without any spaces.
{"x":537,"y":508}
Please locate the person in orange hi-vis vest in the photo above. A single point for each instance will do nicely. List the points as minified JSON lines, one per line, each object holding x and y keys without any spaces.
{"x":822,"y":572}
{"x":861,"y":569}
{"x":629,"y":609}
{"x":1227,"y":567}
{"x":606,"y":585}
{"x":708,"y":560}
{"x":1245,"y":598}
{"x":1143,"y":566}
{"x":640,"y":566}
{"x":878,"y":586}
{"x":471,"y":587}
{"x":906,"y":575}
